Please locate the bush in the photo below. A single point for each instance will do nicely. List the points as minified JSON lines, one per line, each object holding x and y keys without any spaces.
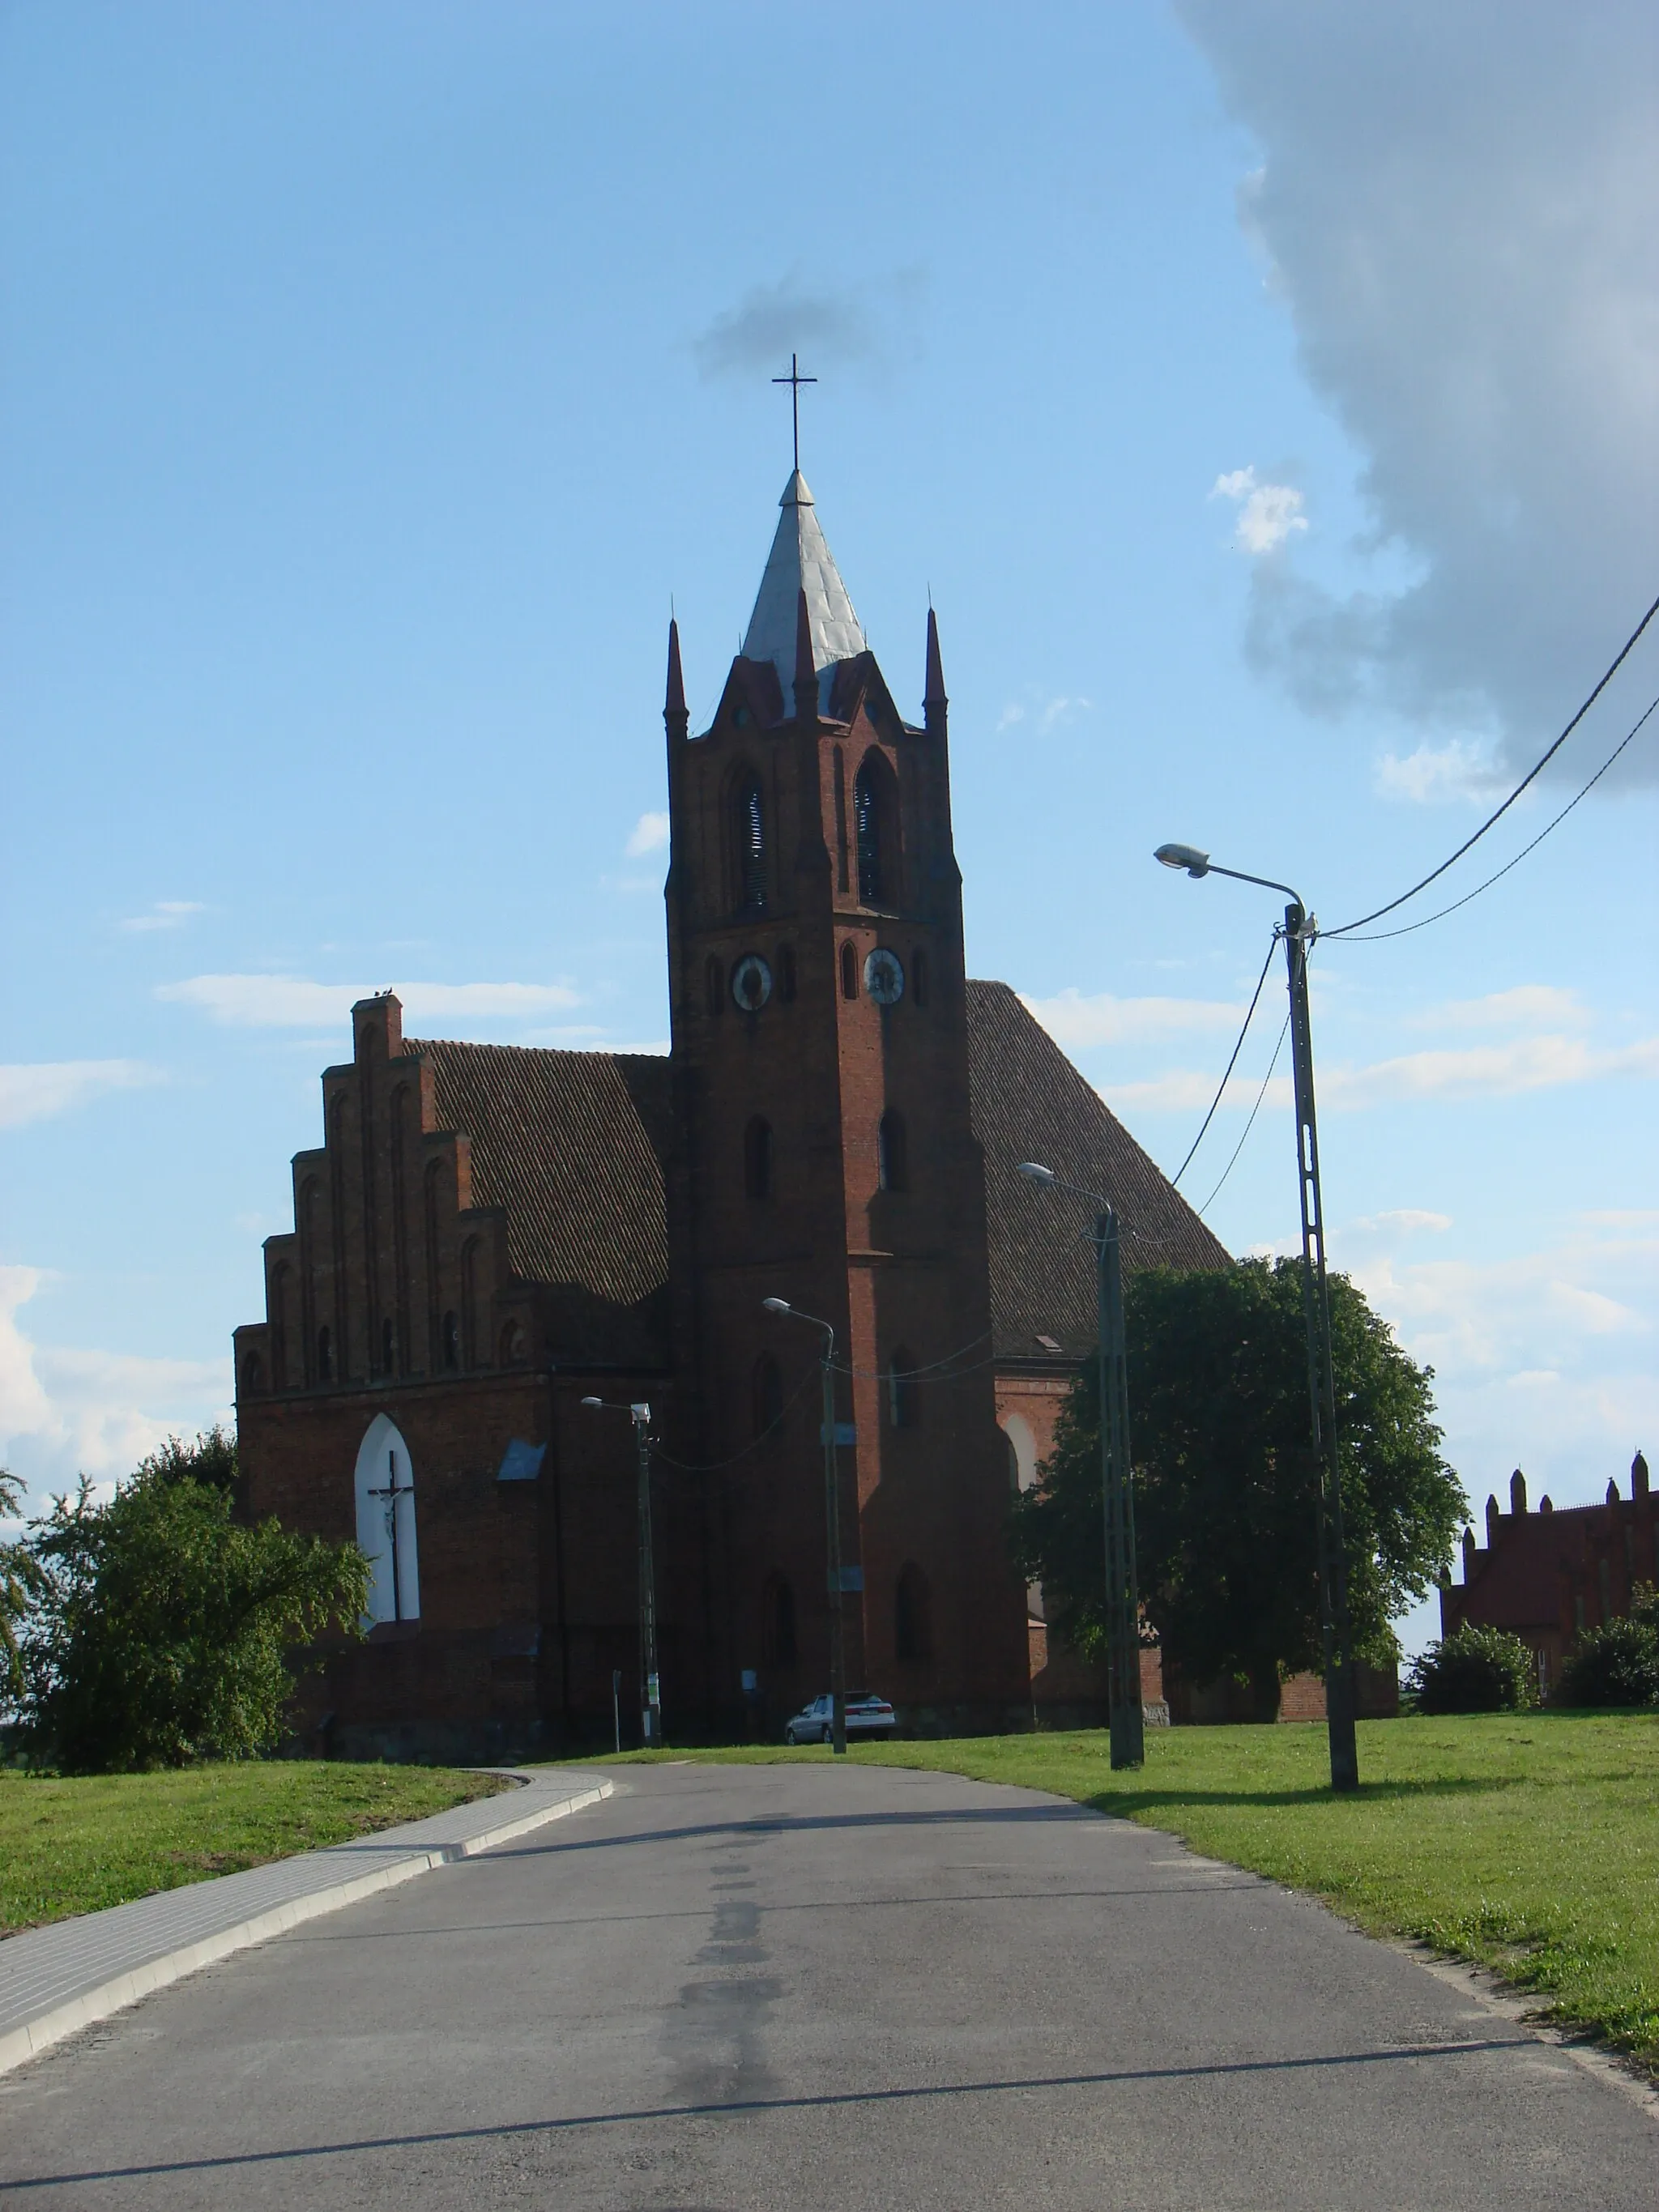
{"x":1477,"y":1670}
{"x":1617,"y":1664}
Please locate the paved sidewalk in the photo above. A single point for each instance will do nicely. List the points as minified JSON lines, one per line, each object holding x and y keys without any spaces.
{"x":56,"y":1979}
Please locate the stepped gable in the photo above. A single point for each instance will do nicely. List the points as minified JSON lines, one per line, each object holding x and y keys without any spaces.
{"x":1029,"y":1103}
{"x":571,"y":1146}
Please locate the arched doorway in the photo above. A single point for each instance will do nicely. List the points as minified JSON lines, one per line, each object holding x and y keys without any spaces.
{"x":385,"y":1500}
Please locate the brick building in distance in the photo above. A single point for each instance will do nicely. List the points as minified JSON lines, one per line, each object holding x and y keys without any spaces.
{"x":1549,"y":1575}
{"x":488,"y":1235}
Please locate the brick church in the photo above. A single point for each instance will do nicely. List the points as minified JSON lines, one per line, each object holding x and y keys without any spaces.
{"x":486,"y":1235}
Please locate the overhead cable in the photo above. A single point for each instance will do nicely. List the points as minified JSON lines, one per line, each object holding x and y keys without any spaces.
{"x":1379,"y":936}
{"x":1250,"y":1124}
{"x":1532,"y":774}
{"x":1231,"y":1064}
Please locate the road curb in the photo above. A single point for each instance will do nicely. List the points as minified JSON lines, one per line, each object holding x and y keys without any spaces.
{"x":20,"y":2043}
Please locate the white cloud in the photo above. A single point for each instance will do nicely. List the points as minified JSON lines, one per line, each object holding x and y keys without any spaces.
{"x":1461,"y":768}
{"x":66,"y":1412}
{"x":1497,"y":1071}
{"x":1457,"y":206}
{"x":165,"y":914}
{"x":1534,"y":1003}
{"x":296,"y":1001}
{"x":648,"y":835}
{"x":35,"y":1092}
{"x":1074,"y":1020}
{"x":1047,"y":711}
{"x":1267,"y":512}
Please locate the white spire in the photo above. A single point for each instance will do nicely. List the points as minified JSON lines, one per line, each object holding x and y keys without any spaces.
{"x":801,"y":561}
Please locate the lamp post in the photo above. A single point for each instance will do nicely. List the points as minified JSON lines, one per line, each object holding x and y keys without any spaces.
{"x":832,"y":1522}
{"x":650,"y":1688}
{"x":1299,"y":929}
{"x":1124,"y":1707}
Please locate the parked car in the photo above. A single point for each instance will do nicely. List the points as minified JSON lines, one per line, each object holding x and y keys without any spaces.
{"x":814,"y":1723}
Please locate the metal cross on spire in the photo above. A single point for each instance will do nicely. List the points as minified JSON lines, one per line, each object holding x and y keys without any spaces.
{"x":794,"y":381}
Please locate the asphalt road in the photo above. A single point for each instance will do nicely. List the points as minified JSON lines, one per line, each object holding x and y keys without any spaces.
{"x":799,"y":1987}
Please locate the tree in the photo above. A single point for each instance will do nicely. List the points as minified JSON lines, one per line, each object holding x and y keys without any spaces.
{"x":1474,"y":1670}
{"x":16,"y":1583}
{"x":159,"y":1629}
{"x":1225,"y":1486}
{"x":211,"y":1459}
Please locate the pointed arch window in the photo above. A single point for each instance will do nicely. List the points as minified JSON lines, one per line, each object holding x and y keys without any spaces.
{"x":758,"y":1158}
{"x":388,"y":1346}
{"x":919,"y":976}
{"x":713,"y":980}
{"x":386,"y":1522}
{"x":787,"y":983}
{"x":892,"y":1153}
{"x":324,"y":1355}
{"x":875,"y":830}
{"x":849,"y":971}
{"x":253,"y":1374}
{"x":452,"y":1341}
{"x":749,"y":826}
{"x":912,"y":1628}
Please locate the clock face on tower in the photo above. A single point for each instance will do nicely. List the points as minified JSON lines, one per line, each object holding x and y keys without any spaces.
{"x":883,"y":977}
{"x":751,"y":983}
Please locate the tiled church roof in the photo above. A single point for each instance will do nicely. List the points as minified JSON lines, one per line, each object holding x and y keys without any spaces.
{"x":572,"y":1144}
{"x":1029,"y":1103}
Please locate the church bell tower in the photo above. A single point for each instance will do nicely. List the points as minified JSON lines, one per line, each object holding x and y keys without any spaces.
{"x":825,"y":1156}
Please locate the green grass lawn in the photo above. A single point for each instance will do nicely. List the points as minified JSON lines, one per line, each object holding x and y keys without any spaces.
{"x":75,"y":1845}
{"x":1527,"y":1842}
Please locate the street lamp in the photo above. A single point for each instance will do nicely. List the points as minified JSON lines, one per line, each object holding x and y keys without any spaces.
{"x":1299,"y":929}
{"x":650,"y":1688}
{"x":1124,"y":1709}
{"x":832,"y":1520}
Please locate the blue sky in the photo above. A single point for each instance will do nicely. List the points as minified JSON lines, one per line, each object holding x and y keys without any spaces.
{"x":1265,"y":393}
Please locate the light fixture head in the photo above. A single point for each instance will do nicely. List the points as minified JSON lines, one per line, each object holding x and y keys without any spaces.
{"x":640,"y":1413}
{"x":776,"y":1305}
{"x":1184,"y":856}
{"x":1036,"y":1171}
{"x":597,"y":1403}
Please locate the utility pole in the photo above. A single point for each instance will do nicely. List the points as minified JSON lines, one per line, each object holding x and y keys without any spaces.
{"x":1127,"y":1716}
{"x":1321,"y":1379}
{"x":650,"y":1688}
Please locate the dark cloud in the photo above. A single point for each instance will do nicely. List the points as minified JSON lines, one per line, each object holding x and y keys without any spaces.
{"x":823,"y":324}
{"x":1457,"y":205}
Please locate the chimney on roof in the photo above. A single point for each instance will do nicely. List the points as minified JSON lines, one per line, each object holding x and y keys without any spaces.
{"x":934,"y":704}
{"x":674,"y":712}
{"x":806,"y":675}
{"x":1518,"y":1492}
{"x":1638,"y":1477}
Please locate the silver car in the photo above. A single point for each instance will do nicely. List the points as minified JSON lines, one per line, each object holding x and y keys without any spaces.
{"x":815,"y":1724}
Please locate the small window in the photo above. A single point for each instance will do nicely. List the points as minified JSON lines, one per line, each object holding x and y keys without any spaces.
{"x":767,"y":1392}
{"x":912,"y":1625}
{"x":515,"y":1350}
{"x":892,"y":1155}
{"x":902,"y":1390}
{"x":849,"y":971}
{"x":919,"y":976}
{"x":713,"y":977}
{"x":786,"y":974}
{"x":778,"y":1646}
{"x":452,"y":1341}
{"x":866,"y":828}
{"x":387,"y":1347}
{"x":253,"y":1374}
{"x":324,"y":1356}
{"x":758,"y":1158}
{"x":750,"y":828}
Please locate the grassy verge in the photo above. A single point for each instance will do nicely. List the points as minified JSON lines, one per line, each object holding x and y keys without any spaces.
{"x":1528,"y":1842}
{"x":78,"y":1844}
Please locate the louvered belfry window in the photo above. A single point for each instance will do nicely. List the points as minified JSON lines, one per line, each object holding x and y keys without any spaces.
{"x":867,"y":823}
{"x":751,"y":846}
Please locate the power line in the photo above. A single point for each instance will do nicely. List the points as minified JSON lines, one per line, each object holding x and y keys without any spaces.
{"x":1250,"y":1124}
{"x":1531,"y":776}
{"x":1249,"y":1016}
{"x":1381,"y":936}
